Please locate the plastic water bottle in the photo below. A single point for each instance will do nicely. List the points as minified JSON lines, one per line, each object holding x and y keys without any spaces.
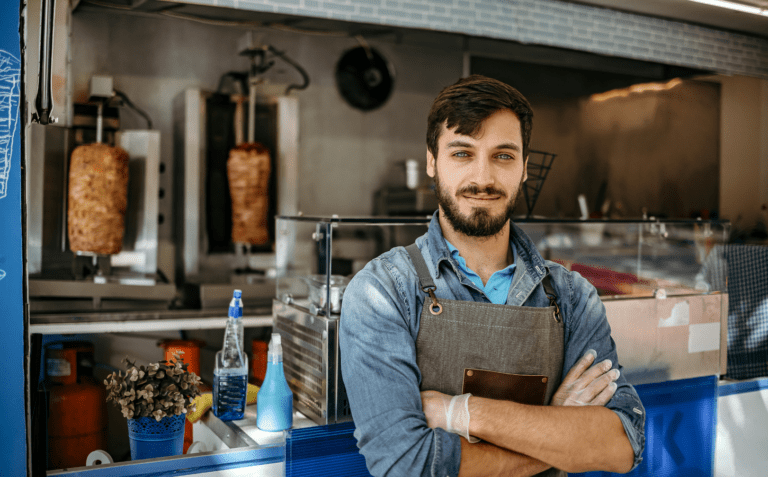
{"x":274,"y":403}
{"x":230,"y":375}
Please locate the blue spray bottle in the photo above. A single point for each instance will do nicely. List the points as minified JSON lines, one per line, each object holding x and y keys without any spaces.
{"x":274,"y":403}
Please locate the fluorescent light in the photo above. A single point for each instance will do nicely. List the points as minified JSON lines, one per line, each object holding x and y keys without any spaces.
{"x":635,"y":89}
{"x":735,"y":6}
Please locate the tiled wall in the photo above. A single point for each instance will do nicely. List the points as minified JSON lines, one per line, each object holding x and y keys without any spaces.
{"x":547,"y":22}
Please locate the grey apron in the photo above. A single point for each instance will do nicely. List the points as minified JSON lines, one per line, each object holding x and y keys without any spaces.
{"x":455,"y":335}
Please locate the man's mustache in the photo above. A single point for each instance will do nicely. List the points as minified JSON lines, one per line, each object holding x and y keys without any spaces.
{"x":475,"y":190}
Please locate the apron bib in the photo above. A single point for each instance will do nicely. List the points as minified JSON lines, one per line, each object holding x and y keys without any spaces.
{"x":457,"y":336}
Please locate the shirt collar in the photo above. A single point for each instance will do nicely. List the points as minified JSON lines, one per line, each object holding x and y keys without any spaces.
{"x":529,"y":257}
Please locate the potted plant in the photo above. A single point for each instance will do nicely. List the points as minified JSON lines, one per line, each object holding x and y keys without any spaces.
{"x":155,"y":399}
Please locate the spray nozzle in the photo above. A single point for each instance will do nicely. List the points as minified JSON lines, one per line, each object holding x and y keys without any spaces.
{"x":275,"y":345}
{"x":236,"y":305}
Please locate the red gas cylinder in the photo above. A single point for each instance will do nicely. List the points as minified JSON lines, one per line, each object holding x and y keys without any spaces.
{"x":190,"y":353}
{"x":76,"y":423}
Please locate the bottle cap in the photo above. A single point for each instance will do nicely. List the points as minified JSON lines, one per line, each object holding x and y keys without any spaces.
{"x":275,"y":345}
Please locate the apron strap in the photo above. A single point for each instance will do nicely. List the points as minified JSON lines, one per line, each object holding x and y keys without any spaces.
{"x":425,"y":279}
{"x":551,"y":294}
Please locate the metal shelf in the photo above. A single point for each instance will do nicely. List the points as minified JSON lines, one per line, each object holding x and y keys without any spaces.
{"x":131,"y":322}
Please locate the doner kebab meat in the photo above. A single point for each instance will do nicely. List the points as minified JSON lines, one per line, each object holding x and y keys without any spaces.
{"x":248,"y":169}
{"x":98,"y":197}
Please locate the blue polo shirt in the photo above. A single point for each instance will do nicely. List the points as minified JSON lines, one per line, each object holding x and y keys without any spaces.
{"x":498,"y":285}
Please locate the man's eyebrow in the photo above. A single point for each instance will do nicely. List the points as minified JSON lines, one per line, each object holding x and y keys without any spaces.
{"x":510,"y":145}
{"x":458,"y":143}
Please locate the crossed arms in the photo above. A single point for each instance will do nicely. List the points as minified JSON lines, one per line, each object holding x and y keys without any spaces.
{"x":576,"y":433}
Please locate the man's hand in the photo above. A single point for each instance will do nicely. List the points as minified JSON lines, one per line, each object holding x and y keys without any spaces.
{"x":447,"y":412}
{"x":587,"y":387}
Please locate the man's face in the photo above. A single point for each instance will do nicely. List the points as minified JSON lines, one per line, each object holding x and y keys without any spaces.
{"x":478,"y":179}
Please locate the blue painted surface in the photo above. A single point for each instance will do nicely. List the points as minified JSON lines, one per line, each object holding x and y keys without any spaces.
{"x":12,"y":419}
{"x":742,"y":387}
{"x":324,"y":451}
{"x":680,"y":429}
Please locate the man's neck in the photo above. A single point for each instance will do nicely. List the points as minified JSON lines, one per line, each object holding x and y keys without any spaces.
{"x":484,"y":255}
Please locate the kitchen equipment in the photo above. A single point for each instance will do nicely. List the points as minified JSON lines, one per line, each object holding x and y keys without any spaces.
{"x":318,"y":291}
{"x":364,"y":78}
{"x":208,"y":263}
{"x":539,"y":164}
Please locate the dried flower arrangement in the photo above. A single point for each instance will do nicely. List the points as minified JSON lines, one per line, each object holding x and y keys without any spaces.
{"x":161,"y":389}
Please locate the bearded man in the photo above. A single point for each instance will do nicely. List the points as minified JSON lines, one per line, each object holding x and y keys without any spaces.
{"x":467,"y":353}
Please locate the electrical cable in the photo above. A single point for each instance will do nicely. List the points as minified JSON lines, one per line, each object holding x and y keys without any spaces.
{"x":302,"y":72}
{"x":130,"y":104}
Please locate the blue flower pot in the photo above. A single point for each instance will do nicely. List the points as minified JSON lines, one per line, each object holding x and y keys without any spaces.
{"x":150,"y":439}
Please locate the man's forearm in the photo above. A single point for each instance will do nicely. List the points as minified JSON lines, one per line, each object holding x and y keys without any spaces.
{"x":485,"y":459}
{"x":574,"y":439}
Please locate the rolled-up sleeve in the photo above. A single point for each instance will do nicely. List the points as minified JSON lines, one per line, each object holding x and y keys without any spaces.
{"x":587,"y":328}
{"x":378,"y":364}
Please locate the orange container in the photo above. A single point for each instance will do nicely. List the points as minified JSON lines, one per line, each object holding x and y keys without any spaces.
{"x":63,"y":358}
{"x":188,"y":349}
{"x":77,"y":423}
{"x":190,"y":353}
{"x":259,"y":362}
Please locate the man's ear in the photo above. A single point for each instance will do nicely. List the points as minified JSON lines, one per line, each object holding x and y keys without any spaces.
{"x":430,"y":164}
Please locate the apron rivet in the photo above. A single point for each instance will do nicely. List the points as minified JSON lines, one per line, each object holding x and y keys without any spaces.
{"x":543,"y":380}
{"x":470,"y":373}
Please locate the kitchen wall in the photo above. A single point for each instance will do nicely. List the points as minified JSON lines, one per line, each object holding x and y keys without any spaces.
{"x":744,"y":152}
{"x":657,"y":150}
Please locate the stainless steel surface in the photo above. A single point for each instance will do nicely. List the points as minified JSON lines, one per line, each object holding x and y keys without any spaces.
{"x":83,"y":288}
{"x":311,"y":363}
{"x":47,"y":197}
{"x":195,"y":263}
{"x":228,"y":431}
{"x":218,"y":296}
{"x":671,"y":338}
{"x":140,"y":243}
{"x":400,"y":201}
{"x":136,"y":322}
{"x":318,"y":290}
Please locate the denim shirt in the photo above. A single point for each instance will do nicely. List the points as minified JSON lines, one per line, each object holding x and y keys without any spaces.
{"x":379,"y":325}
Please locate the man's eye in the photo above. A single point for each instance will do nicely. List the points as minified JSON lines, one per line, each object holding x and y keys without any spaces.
{"x":505,"y":157}
{"x":460,"y":154}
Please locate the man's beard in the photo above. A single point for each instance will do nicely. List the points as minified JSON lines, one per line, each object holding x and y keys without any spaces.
{"x":479,"y":223}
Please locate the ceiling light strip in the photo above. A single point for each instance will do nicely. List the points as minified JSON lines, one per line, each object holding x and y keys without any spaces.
{"x":735,"y":6}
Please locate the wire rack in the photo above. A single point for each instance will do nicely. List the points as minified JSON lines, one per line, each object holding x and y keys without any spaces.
{"x":539,"y":164}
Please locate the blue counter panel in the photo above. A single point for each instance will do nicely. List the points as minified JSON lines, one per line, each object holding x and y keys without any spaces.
{"x":324,"y":451}
{"x":680,"y":429}
{"x":740,"y":387}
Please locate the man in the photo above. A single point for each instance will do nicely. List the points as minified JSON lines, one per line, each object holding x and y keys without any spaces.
{"x":472,"y":300}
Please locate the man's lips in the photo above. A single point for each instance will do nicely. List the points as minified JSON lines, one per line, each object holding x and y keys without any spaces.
{"x":483,"y":198}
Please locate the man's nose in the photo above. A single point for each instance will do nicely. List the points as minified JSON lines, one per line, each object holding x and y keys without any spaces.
{"x":482,"y":173}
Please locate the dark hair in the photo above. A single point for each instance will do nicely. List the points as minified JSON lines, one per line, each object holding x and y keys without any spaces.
{"x":467,"y":103}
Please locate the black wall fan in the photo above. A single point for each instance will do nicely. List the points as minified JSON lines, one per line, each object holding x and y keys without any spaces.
{"x":364,"y":78}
